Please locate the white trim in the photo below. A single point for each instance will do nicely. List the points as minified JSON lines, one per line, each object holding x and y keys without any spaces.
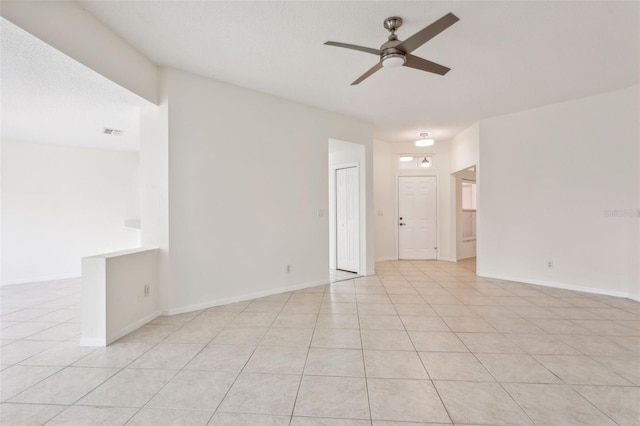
{"x":250,"y":296}
{"x":384,"y":259}
{"x":41,"y":279}
{"x":448,"y":259}
{"x":121,"y":253}
{"x":562,"y":286}
{"x":93,"y":341}
{"x":132,"y":327}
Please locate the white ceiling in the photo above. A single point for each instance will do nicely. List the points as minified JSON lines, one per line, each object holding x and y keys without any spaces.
{"x":505,"y":55}
{"x":48,"y":97}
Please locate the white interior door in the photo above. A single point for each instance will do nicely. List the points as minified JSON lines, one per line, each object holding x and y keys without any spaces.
{"x":417,"y":214}
{"x":347,"y":219}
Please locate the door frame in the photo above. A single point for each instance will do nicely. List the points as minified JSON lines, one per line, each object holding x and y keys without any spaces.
{"x":398,"y":176}
{"x":334,"y":169}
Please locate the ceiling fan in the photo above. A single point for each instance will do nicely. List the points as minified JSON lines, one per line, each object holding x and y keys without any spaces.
{"x":396,"y":53}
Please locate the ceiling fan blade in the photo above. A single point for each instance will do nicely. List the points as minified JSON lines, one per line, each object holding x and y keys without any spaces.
{"x":428,"y":32}
{"x":424,"y":65}
{"x":353,"y":47}
{"x":367,"y":74}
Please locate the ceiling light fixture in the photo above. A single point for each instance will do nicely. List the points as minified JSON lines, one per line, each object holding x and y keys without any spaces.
{"x":424,"y":140}
{"x":394,"y":60}
{"x":425,"y":163}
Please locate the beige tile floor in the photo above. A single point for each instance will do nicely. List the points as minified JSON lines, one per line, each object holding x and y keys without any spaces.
{"x":419,"y":343}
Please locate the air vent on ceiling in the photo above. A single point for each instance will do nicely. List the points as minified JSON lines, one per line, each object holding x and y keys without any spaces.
{"x":115,"y":132}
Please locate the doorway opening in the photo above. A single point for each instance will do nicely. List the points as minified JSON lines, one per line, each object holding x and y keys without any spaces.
{"x":465,"y":215}
{"x":417,"y":218}
{"x":346,"y":209}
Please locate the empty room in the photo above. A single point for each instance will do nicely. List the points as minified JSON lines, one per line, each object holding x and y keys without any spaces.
{"x":339,"y":213}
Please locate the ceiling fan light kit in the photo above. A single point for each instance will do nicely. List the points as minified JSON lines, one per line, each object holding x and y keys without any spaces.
{"x":424,"y":140}
{"x":396,"y":53}
{"x":393,"y":61}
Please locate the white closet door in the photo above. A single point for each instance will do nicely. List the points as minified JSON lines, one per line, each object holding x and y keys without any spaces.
{"x":347,"y":219}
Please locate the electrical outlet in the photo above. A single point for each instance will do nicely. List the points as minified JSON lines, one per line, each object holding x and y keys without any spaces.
{"x":288,"y":268}
{"x":550,"y":264}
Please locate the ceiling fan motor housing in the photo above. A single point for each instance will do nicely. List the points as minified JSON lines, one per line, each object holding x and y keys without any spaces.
{"x":389,"y":50}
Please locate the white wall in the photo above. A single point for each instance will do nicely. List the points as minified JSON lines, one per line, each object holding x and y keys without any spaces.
{"x":550,"y":179}
{"x":386,"y":174}
{"x":120,"y":293}
{"x":465,"y":148}
{"x":465,"y":153}
{"x":247,"y":175}
{"x":154,"y":184}
{"x":68,"y":28}
{"x":634,"y":290}
{"x":61,"y":203}
{"x":154,"y":175}
{"x":384,"y":167}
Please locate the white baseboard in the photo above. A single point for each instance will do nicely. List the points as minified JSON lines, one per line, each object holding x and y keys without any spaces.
{"x":41,"y":279}
{"x":225,"y":301}
{"x":445,"y":259}
{"x":132,"y":327}
{"x":104,"y":341}
{"x":561,"y":286}
{"x":467,"y":257}
{"x":93,"y":342}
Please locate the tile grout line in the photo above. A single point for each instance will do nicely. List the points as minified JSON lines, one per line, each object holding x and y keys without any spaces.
{"x":427,"y":371}
{"x":155,"y":345}
{"x":246,"y":362}
{"x":295,"y":400}
{"x":364,"y":363}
